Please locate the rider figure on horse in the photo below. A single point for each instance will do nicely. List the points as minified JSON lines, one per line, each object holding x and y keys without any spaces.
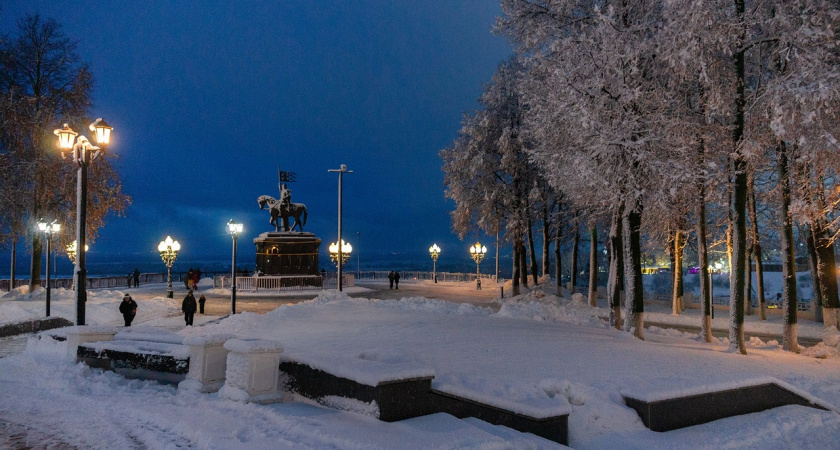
{"x":285,"y":203}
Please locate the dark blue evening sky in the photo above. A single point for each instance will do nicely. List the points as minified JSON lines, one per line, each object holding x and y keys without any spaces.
{"x":208,"y":98}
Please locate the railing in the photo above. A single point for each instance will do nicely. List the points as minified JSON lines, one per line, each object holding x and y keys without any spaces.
{"x":412,"y":276}
{"x":92,"y":282}
{"x":284,"y":282}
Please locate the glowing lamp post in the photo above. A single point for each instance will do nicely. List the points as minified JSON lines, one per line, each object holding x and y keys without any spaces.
{"x":340,"y":261}
{"x":434,"y":250}
{"x":342,"y":253}
{"x":168,"y":252}
{"x":234,"y":229}
{"x":48,"y":229}
{"x":477,"y":252}
{"x":83,"y":153}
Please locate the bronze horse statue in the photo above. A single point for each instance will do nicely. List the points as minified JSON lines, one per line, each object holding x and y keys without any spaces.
{"x":280,"y":209}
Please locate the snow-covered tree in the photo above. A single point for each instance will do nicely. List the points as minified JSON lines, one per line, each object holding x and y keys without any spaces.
{"x":43,"y":83}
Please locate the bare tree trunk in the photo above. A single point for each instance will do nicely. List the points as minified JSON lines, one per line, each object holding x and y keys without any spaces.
{"x":14,"y":263}
{"x":546,"y":260}
{"x":756,"y":250}
{"x":748,"y":284}
{"x":677,"y":256}
{"x":574,"y":266}
{"x":534,"y":264}
{"x":616,"y":274}
{"x":35,"y":267}
{"x":634,"y":295}
{"x":703,"y":260}
{"x":827,"y":264}
{"x":702,"y":245}
{"x":789,"y":331}
{"x":523,"y":264}
{"x":515,"y":267}
{"x":738,"y":208}
{"x":827,"y":275}
{"x":593,"y":266}
{"x":814,"y":266}
{"x":558,"y":262}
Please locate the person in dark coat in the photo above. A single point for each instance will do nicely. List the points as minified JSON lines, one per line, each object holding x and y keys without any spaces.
{"x":136,"y":277}
{"x":188,"y":307}
{"x":128,"y":308}
{"x":391,"y":280}
{"x":201,"y":301}
{"x":196,"y":278}
{"x":396,"y":280}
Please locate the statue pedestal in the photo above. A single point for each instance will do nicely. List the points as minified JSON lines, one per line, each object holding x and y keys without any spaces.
{"x":287,"y":253}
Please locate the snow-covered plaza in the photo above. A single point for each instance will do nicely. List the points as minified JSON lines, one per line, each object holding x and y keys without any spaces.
{"x":532,"y":349}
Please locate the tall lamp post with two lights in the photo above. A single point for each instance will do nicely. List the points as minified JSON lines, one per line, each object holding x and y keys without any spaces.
{"x":234,"y":229}
{"x":341,"y":171}
{"x":83,"y":153}
{"x":168,"y":252}
{"x":434,"y":250}
{"x":48,"y":229}
{"x":477,"y":252}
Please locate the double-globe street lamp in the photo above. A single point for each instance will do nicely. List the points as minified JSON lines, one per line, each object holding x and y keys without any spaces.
{"x":234,"y":229}
{"x":477,"y":252}
{"x":340,"y":254}
{"x":434,"y":250}
{"x":48,"y":229}
{"x":83,"y":153}
{"x":168,"y":252}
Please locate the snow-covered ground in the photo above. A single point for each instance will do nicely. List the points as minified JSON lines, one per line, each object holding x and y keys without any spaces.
{"x":534,"y":349}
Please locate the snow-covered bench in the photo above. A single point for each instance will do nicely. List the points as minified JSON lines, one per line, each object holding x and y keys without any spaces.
{"x":548,"y":419}
{"x":663,"y":409}
{"x":398,"y":391}
{"x":143,"y":352}
{"x":33,"y":326}
{"x":389,"y":392}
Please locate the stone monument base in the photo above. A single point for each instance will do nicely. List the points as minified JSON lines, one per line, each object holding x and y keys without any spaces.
{"x":287,"y":253}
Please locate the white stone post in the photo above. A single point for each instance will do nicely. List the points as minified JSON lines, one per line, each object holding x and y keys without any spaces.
{"x":81,"y":334}
{"x":253,"y":366}
{"x":208,"y":362}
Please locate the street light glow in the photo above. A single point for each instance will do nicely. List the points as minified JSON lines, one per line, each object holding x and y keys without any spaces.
{"x":102,"y":131}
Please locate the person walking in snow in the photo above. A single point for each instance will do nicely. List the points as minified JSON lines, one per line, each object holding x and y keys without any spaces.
{"x":391,"y":280}
{"x":196,"y":278}
{"x":201,"y":301}
{"x":188,"y":307}
{"x":136,"y":277}
{"x":128,"y":308}
{"x":396,"y":280}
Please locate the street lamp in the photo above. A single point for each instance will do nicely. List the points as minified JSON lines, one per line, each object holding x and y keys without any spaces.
{"x":434,"y":250}
{"x":48,"y":229}
{"x":70,"y":249}
{"x":341,"y":171}
{"x":83,"y":153}
{"x":168,"y":252}
{"x":344,"y":251}
{"x":477,"y":252}
{"x":234,"y":229}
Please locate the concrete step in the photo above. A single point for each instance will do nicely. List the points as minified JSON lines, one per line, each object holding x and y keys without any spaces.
{"x":521,"y":440}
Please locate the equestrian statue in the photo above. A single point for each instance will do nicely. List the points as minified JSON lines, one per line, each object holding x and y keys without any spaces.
{"x":283,"y":209}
